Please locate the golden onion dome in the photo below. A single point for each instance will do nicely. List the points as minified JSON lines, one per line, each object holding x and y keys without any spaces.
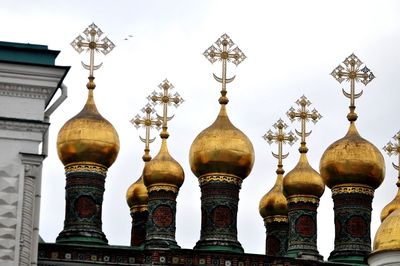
{"x":222,"y":148}
{"x":352,"y":160}
{"x":88,"y":137}
{"x":163,"y":169}
{"x":387,"y":236}
{"x":392,"y":206}
{"x":274,"y":202}
{"x":137,"y":195}
{"x":303,"y":180}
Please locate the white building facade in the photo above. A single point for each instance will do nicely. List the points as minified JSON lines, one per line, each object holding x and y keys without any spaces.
{"x":29,"y":79}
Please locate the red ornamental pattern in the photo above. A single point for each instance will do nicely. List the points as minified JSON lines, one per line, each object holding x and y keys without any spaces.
{"x":85,"y":207}
{"x":356,"y":226}
{"x":305,"y":226}
{"x":221,"y":216}
{"x":162,"y":216}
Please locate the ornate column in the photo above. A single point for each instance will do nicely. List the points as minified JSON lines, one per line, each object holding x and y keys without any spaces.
{"x":30,"y":208}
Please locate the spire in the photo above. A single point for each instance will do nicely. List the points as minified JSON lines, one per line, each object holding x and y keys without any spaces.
{"x":350,"y":70}
{"x":280,"y":138}
{"x":148,"y":122}
{"x":225,"y":50}
{"x":165,"y":98}
{"x":90,"y":41}
{"x":273,"y":205}
{"x":303,"y":115}
{"x":394,"y":149}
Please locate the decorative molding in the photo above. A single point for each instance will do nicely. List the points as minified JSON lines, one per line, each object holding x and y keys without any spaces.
{"x":303,"y":198}
{"x":225,"y":178}
{"x":23,"y":125}
{"x":276,"y":219}
{"x":86,"y":167}
{"x":166,"y":187}
{"x":25,"y":91}
{"x":352,"y":188}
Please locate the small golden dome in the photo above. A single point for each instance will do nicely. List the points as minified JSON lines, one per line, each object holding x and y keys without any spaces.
{"x":88,"y":137}
{"x":274,"y":202}
{"x":392,"y":206}
{"x":303,"y":180}
{"x":352,"y":160}
{"x":222,"y":148}
{"x":137,"y":195}
{"x":387,"y":236}
{"x":163,"y":169}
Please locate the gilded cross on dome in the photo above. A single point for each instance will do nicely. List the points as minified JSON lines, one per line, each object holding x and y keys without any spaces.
{"x":304,"y":115}
{"x":224,"y":50}
{"x":280,"y":137}
{"x":351,"y":70}
{"x":148,"y":122}
{"x":394,"y":149}
{"x":90,"y":41}
{"x":165,"y":98}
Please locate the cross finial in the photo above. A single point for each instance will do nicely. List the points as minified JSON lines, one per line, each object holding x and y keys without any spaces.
{"x":394,"y":149}
{"x":350,"y":70}
{"x":90,"y":41}
{"x":148,"y":122}
{"x":280,"y":137}
{"x":303,"y":115}
{"x":165,"y":98}
{"x":226,"y":51}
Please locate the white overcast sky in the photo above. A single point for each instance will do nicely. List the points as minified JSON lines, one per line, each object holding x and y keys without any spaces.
{"x":292,"y":47}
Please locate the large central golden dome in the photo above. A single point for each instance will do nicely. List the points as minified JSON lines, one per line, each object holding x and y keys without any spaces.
{"x":222,"y":148}
{"x":352,"y":160}
{"x":88,"y":137}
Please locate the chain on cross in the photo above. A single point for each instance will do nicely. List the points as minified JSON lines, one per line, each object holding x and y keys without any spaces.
{"x":148,"y":121}
{"x":394,"y":149}
{"x":165,"y":98}
{"x":280,"y":137}
{"x":226,"y":51}
{"x":351,"y":71}
{"x":91,"y":42}
{"x":304,"y":115}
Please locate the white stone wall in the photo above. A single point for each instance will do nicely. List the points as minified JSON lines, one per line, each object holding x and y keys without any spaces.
{"x":25,"y":91}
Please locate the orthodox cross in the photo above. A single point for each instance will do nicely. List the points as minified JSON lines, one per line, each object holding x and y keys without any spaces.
{"x":165,"y":98}
{"x":280,"y":137}
{"x":394,"y":149}
{"x":91,"y":42}
{"x":304,"y":115}
{"x":226,"y":51}
{"x":148,"y":122}
{"x":351,"y":71}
